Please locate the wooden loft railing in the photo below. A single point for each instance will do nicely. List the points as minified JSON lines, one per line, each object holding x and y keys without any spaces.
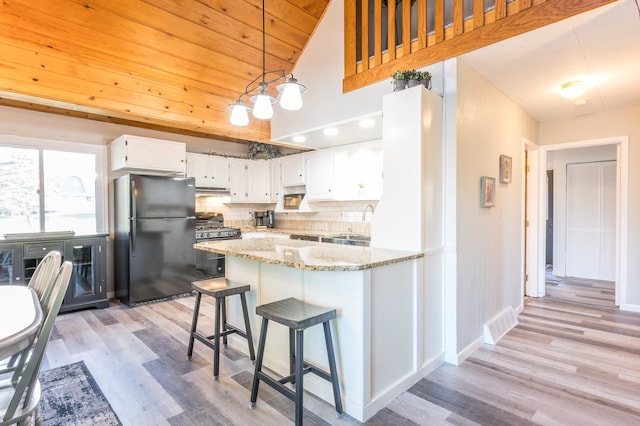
{"x":424,"y":32}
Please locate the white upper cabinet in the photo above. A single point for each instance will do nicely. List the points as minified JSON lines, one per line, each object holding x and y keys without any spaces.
{"x":259,"y":181}
{"x":276,"y":181}
{"x":293,"y":170}
{"x":209,"y":171}
{"x":136,"y":154}
{"x":358,"y":171}
{"x":250,"y":181}
{"x":320,"y":178}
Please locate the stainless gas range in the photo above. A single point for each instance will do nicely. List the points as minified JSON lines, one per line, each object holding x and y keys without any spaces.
{"x":210,"y":227}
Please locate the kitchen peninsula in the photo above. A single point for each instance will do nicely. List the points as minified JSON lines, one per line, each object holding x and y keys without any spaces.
{"x":379,"y":331}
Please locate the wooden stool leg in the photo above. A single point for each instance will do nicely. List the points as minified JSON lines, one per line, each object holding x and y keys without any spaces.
{"x":299,"y":376}
{"x":216,"y":349}
{"x":194,"y":322}
{"x":332,"y":367}
{"x":247,"y":326}
{"x":258,"y":369}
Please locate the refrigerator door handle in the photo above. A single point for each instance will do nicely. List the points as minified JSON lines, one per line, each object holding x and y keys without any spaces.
{"x":132,"y":237}
{"x":134,"y":209}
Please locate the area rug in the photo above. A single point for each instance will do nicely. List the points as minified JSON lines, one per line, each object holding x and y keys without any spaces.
{"x":71,"y":396}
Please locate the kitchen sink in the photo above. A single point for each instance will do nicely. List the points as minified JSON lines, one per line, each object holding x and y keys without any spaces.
{"x":348,"y":239}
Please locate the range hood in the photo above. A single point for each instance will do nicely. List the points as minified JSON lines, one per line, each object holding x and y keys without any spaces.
{"x":212,"y":191}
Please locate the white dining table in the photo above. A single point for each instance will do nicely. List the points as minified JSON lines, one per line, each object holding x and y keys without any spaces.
{"x":20,"y":318}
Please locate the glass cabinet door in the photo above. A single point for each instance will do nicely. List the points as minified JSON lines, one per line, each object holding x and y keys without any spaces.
{"x":84,"y":284}
{"x":10,"y":259}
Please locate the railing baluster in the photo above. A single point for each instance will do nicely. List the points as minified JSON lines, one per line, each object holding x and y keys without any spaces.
{"x":439,"y":21}
{"x":365,"y":35}
{"x":422,"y":23}
{"x":391,"y":28}
{"x":478,"y":13}
{"x":406,"y":27}
{"x":377,"y":17}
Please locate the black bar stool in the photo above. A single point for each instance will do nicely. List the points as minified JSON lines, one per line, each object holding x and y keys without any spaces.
{"x":219,"y":288}
{"x":298,"y":316}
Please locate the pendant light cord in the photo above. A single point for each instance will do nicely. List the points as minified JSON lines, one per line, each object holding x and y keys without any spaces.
{"x":264,"y":48}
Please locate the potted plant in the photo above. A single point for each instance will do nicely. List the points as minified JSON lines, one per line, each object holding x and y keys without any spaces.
{"x":398,"y":80}
{"x":413,"y":77}
{"x":425,"y":79}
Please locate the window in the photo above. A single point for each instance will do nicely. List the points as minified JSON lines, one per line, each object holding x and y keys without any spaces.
{"x":48,"y":186}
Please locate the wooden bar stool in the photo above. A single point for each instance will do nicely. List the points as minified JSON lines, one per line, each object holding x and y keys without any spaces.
{"x":219,"y":288}
{"x":298,"y":316}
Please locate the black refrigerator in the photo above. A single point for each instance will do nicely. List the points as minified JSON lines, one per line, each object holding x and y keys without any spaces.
{"x":154,"y":236}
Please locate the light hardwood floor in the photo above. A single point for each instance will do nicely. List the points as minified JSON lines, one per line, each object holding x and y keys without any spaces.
{"x":574,"y":359}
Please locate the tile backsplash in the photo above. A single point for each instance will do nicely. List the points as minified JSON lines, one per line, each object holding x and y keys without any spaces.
{"x":331,"y":216}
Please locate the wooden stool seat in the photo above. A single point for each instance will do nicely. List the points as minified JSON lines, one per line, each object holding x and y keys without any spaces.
{"x":297,"y":316}
{"x":219,"y":288}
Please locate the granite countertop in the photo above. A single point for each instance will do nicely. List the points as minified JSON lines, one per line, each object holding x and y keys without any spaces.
{"x":308,"y":255}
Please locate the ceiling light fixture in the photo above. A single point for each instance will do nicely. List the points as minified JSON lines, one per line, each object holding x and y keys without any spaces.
{"x":367,"y":122}
{"x":330,"y":131}
{"x":572,"y":89}
{"x":258,"y":91}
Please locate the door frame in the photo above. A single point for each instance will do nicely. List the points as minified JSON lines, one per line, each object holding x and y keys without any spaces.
{"x":538,"y":199}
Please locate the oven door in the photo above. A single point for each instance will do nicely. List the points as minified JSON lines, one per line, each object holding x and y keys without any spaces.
{"x":209,"y":265}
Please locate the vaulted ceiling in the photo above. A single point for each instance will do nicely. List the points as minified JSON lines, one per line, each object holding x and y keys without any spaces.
{"x":171,"y":65}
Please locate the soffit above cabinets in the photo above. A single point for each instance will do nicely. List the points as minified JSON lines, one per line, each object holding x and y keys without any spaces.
{"x":360,"y":129}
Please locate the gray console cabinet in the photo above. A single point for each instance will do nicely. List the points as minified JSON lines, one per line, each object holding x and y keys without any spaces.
{"x":88,"y":284}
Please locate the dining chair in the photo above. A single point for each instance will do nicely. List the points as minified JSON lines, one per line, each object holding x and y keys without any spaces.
{"x":42,"y":282}
{"x":45,"y":273}
{"x":19,"y":398}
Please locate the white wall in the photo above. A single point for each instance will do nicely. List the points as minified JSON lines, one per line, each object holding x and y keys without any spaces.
{"x":620,"y":122}
{"x":489,"y":240}
{"x":557,"y":161}
{"x":321,"y":69}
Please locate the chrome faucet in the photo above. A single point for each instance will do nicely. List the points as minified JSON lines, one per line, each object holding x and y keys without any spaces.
{"x":364,"y":211}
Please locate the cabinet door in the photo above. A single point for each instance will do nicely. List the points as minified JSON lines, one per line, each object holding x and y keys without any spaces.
{"x":293,"y":170}
{"x":259,"y":181}
{"x":238,"y":183}
{"x":276,"y":182}
{"x":219,"y":169}
{"x":87,"y":283}
{"x":198,"y":168}
{"x":135,"y":153}
{"x":11,"y":264}
{"x":320,"y":175}
{"x":358,"y":171}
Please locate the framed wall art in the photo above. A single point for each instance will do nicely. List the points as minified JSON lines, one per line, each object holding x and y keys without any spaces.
{"x":487,"y":191}
{"x":505,"y":169}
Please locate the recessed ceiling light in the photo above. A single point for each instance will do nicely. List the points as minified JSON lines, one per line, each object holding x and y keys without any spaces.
{"x":299,"y":138}
{"x":367,"y":122}
{"x":572,"y":89}
{"x":330,"y":131}
{"x":579,"y":102}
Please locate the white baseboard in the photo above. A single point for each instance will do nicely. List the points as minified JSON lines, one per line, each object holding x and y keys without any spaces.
{"x":630,"y":307}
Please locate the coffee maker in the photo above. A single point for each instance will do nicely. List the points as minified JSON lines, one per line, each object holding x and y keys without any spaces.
{"x":259,"y":218}
{"x":270,"y":219}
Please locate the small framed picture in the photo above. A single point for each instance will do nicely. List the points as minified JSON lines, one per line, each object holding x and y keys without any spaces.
{"x":505,"y":169}
{"x":487,"y":191}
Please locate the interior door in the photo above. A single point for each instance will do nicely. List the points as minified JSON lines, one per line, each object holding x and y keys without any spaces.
{"x":591,"y":220}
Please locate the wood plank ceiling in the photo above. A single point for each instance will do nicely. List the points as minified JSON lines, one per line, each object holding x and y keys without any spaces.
{"x":170,"y":65}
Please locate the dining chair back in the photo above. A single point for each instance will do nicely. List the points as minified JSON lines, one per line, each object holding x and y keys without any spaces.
{"x":19,"y":398}
{"x":42,"y":282}
{"x":42,"y":279}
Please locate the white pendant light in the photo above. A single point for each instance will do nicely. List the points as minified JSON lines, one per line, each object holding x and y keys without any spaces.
{"x":258,"y":90}
{"x":291,"y":97}
{"x":239,"y":116}
{"x":262,"y":108}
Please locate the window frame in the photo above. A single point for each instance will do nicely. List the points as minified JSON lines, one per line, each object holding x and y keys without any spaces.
{"x":100,"y":152}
